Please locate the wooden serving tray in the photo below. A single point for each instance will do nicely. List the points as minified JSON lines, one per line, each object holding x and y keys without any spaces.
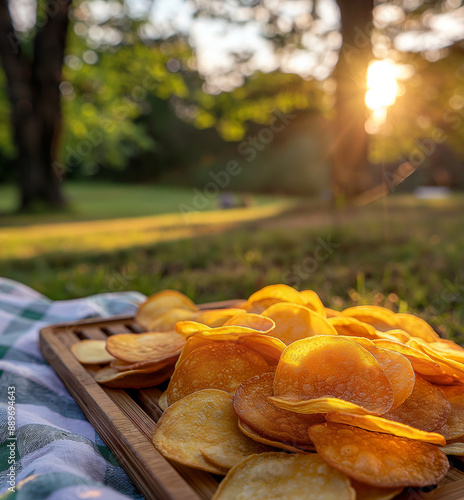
{"x":126,"y":418}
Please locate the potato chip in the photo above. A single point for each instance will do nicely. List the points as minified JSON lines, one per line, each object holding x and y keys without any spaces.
{"x":426,"y":408}
{"x":380,"y":318}
{"x":166,"y":321}
{"x":295,"y":322}
{"x":379,"y":424}
{"x":274,"y":475}
{"x":352,"y":327}
{"x":368,"y":492}
{"x":252,"y":434}
{"x":333,"y":367}
{"x":161,"y":302}
{"x":91,"y":352}
{"x":452,"y":369}
{"x":397,"y":368}
{"x":223,"y":365}
{"x":269,"y":347}
{"x":162,"y":401}
{"x":312,"y":301}
{"x":204,"y":424}
{"x":217,"y":317}
{"x":379,"y":459}
{"x":395,"y":335}
{"x":253,"y":407}
{"x":454,"y":426}
{"x":124,"y":366}
{"x":422,"y":364}
{"x":331,"y":313}
{"x":190,"y":328}
{"x":272,"y":294}
{"x":416,"y":327}
{"x":136,"y":347}
{"x":317,"y":405}
{"x":133,"y":379}
{"x":449,"y":349}
{"x":253,"y":321}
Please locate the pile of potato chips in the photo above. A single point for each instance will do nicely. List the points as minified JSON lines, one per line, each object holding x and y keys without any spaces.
{"x":285,"y":396}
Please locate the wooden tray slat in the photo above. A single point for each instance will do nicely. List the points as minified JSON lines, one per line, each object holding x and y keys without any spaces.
{"x":125,"y":420}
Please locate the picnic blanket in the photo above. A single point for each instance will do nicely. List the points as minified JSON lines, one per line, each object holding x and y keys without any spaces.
{"x":48,"y":449}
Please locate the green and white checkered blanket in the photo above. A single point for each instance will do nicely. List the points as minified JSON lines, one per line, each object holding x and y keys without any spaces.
{"x":48,"y":450}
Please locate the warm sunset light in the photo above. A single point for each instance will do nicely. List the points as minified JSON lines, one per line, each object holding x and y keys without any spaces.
{"x":381,"y":84}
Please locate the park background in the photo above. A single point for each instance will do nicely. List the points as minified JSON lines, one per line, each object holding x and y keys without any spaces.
{"x":217,"y":147}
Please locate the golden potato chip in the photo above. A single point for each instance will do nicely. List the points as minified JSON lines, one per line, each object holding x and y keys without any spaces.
{"x":136,"y":347}
{"x":133,"y":379}
{"x":252,"y":434}
{"x":333,"y":367}
{"x":253,"y":321}
{"x":270,"y":348}
{"x":368,"y":492}
{"x":161,"y":302}
{"x":223,"y":365}
{"x":397,"y":368}
{"x":166,"y":321}
{"x":379,"y":424}
{"x":294,"y":322}
{"x":190,"y":328}
{"x":426,"y":408}
{"x":396,"y":335}
{"x":352,"y":327}
{"x":217,"y":317}
{"x":331,"y":313}
{"x":379,"y":459}
{"x":448,"y":349}
{"x":416,"y":327}
{"x":91,"y":352}
{"x":452,"y":369}
{"x":253,"y":407}
{"x":276,"y":475}
{"x":318,"y":405}
{"x":422,"y":364}
{"x":124,"y":366}
{"x":380,"y":318}
{"x":204,"y":424}
{"x":454,"y":426}
{"x":272,"y":294}
{"x":312,"y":301}
{"x":162,"y":401}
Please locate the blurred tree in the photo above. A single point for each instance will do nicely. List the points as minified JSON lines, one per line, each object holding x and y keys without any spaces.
{"x":127,"y":85}
{"x":33,"y":82}
{"x":351,"y":172}
{"x":311,"y":30}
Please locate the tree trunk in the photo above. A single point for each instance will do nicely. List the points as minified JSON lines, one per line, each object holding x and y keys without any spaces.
{"x":34,"y":93}
{"x":351,"y":174}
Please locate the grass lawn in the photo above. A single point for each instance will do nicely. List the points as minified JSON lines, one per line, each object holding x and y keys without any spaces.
{"x":400,"y":252}
{"x":98,"y":200}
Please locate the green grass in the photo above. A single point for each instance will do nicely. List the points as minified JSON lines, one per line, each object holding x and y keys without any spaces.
{"x":401,"y":253}
{"x":97,"y":201}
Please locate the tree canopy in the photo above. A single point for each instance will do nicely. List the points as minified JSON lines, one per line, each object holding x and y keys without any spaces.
{"x":130,"y":69}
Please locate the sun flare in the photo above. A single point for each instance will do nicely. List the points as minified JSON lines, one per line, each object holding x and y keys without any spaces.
{"x":382,"y":86}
